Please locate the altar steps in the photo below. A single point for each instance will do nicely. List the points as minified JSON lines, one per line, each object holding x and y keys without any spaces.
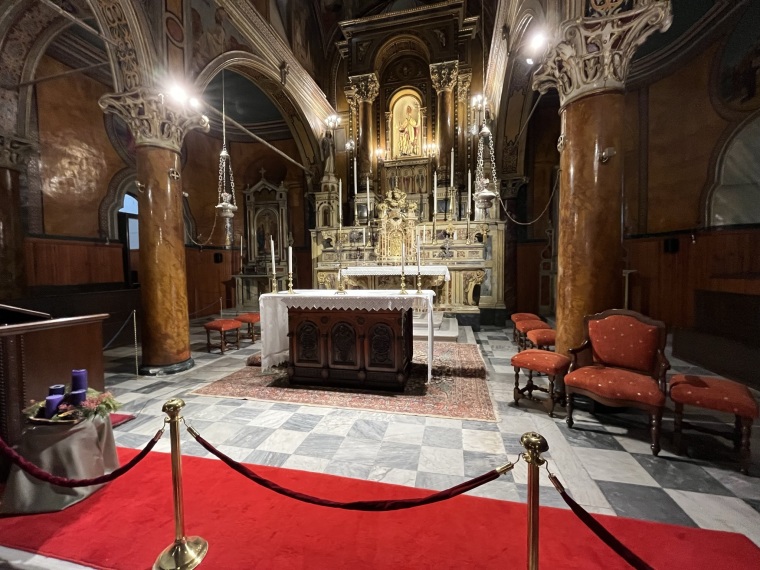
{"x":445,"y":329}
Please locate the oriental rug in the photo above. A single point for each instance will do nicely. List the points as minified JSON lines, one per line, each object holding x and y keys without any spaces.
{"x":126,"y":524}
{"x":458,"y":388}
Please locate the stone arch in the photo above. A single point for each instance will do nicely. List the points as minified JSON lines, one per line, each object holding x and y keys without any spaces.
{"x":258,"y":71}
{"x":399,"y":46}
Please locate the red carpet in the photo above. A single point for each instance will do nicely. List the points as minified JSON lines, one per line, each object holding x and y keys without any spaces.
{"x":129,"y":522}
{"x":118,"y":419}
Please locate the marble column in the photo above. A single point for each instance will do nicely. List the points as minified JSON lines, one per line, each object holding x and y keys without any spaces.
{"x":588,"y":67}
{"x":159,"y":126}
{"x":13,"y":156}
{"x":444,"y":78}
{"x":366,"y":90}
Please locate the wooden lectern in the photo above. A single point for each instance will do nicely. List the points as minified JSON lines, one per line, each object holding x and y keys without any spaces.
{"x":36,"y":351}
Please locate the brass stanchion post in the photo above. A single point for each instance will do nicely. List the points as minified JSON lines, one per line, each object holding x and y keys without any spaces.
{"x":185,"y":552}
{"x":535,"y":445}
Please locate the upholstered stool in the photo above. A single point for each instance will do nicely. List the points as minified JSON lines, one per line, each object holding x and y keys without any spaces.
{"x":545,"y":362}
{"x":250,"y":319}
{"x":223,"y":326}
{"x":523,"y":327}
{"x":542,"y":338}
{"x":719,"y":394}
{"x":517,"y":317}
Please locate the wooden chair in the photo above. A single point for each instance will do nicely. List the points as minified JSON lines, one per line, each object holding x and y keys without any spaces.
{"x":621,"y":363}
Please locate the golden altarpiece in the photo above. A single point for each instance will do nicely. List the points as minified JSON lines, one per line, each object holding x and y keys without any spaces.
{"x":408,"y":116}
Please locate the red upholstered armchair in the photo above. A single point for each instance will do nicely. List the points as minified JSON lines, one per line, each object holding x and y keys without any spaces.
{"x":621,"y":363}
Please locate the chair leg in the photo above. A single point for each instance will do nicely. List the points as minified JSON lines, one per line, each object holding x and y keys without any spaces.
{"x":656,"y":421}
{"x":744,"y":452}
{"x":737,"y":432}
{"x":516,"y":394}
{"x":678,"y":428}
{"x":551,"y":400}
{"x":223,"y":344}
{"x":570,"y":406}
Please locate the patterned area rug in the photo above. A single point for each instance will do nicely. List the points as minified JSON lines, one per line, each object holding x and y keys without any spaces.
{"x":458,"y":388}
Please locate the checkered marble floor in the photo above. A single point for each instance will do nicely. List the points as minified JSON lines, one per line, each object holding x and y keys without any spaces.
{"x":604,"y":461}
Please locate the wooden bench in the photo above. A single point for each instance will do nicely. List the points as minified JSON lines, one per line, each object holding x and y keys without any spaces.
{"x":223,"y":326}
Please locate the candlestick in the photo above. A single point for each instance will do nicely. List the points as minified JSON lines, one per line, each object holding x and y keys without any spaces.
{"x":274,"y":283}
{"x":271,"y":249}
{"x":79,"y":379}
{"x":435,"y":204}
{"x":290,"y":283}
{"x":340,"y":200}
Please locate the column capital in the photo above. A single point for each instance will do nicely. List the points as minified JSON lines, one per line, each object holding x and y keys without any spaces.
{"x":594,"y":54}
{"x":463,"y":87}
{"x":153,"y":118}
{"x":444,"y":75}
{"x":14,"y":151}
{"x":366,"y":87}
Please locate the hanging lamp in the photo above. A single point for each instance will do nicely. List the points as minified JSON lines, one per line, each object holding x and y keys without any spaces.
{"x":226,"y":207}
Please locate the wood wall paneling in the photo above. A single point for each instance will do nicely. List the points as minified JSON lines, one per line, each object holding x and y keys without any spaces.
{"x":528,"y":260}
{"x":70,"y":262}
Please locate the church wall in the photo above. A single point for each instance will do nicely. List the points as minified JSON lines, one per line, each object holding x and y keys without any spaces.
{"x":684,"y":129}
{"x":545,"y":130}
{"x":77,"y":160}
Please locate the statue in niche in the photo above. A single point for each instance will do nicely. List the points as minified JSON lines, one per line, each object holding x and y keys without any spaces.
{"x":327,"y":146}
{"x":408,"y":134}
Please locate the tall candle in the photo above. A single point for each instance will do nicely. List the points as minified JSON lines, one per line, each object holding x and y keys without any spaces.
{"x":79,"y":379}
{"x":356,"y":179}
{"x":451,"y":180}
{"x":290,"y":259}
{"x":340,"y":200}
{"x":271,"y":248}
{"x":403,"y":255}
{"x":469,"y":192}
{"x":367,"y":200}
{"x":419,"y":254}
{"x":241,"y":252}
{"x":435,"y":194}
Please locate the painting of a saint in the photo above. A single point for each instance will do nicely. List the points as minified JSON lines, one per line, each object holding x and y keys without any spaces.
{"x":266,"y":227}
{"x":212,"y":34}
{"x":407,"y":127}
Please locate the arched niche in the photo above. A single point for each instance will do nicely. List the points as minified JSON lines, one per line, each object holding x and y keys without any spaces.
{"x":406,"y":123}
{"x":735,"y":196}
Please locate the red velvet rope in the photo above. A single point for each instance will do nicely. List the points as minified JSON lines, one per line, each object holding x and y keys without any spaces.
{"x":596,"y":527}
{"x":35,"y":471}
{"x":391,"y":505}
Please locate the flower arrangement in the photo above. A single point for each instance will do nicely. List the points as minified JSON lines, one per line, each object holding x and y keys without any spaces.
{"x":95,"y":404}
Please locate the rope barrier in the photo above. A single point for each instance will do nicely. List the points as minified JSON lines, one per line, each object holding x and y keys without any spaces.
{"x":36,"y":472}
{"x":124,"y":324}
{"x":598,"y":529}
{"x":192,"y":315}
{"x":388,"y":505}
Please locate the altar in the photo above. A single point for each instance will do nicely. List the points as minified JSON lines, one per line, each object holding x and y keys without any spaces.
{"x":359,"y":338}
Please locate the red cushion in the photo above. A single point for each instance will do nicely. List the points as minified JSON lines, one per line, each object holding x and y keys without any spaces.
{"x":251,"y":318}
{"x":616,"y":384}
{"x":542,"y":337}
{"x":524,"y":317}
{"x":622,"y":340}
{"x":542,"y":361}
{"x":525,"y":326}
{"x":222,"y":325}
{"x":713,"y":393}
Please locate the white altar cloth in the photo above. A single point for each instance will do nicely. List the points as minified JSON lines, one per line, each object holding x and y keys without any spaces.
{"x":409,"y":270}
{"x":274,"y":314}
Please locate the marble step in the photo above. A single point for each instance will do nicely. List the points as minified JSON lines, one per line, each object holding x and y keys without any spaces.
{"x":447,"y":331}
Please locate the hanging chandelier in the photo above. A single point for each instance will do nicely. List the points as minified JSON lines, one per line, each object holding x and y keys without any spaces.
{"x":226,"y":207}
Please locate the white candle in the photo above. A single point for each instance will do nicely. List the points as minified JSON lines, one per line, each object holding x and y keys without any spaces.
{"x":367,"y":200}
{"x":340,"y":200}
{"x":271,"y":247}
{"x":451,"y":180}
{"x":356,"y":183}
{"x":403,"y":256}
{"x":435,"y":194}
{"x":241,"y":254}
{"x":419,"y":254}
{"x":469,"y":192}
{"x":290,"y":259}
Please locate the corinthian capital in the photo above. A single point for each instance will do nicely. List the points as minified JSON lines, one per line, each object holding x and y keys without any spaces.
{"x":594,"y":54}
{"x":463,"y":87}
{"x":444,"y":75}
{"x":14,"y":151}
{"x":152,"y":118}
{"x":366,"y":86}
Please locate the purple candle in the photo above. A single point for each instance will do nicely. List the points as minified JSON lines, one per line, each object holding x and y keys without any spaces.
{"x":51,"y":404}
{"x":79,"y":379}
{"x":57,"y":389}
{"x":77,"y":397}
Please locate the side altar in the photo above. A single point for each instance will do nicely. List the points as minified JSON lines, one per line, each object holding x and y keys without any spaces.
{"x":461,"y":261}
